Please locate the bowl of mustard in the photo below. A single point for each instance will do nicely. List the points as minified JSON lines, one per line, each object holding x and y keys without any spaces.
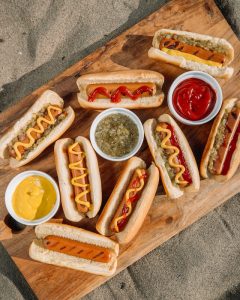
{"x":32,"y":197}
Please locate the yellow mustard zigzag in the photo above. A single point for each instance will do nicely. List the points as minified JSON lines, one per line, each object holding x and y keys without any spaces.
{"x":173,"y":156}
{"x":74,"y":180}
{"x":40,"y":130}
{"x":127,"y":197}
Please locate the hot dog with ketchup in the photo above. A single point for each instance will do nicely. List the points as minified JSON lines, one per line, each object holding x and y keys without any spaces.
{"x":75,"y":248}
{"x":79,"y":178}
{"x":221,"y":156}
{"x":172,"y":155}
{"x":133,"y":89}
{"x":130,"y":201}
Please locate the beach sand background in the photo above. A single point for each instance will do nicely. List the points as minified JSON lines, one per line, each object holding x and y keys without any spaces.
{"x":38,"y":40}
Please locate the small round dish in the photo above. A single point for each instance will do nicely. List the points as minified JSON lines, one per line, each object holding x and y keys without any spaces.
{"x":11,"y":189}
{"x":134,"y":118}
{"x":206,"y":78}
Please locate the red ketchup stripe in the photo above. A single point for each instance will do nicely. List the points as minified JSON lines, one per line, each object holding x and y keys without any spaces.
{"x":135,"y":184}
{"x":231,"y":149}
{"x":173,"y":139}
{"x":115,"y":96}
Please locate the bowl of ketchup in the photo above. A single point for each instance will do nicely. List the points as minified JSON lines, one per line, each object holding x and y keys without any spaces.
{"x":195,"y":98}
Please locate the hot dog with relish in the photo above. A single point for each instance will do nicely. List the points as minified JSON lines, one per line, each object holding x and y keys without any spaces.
{"x":193,"y":51}
{"x":172,"y":155}
{"x":221,"y":156}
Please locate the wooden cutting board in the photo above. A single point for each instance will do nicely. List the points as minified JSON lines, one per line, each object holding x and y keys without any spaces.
{"x":166,"y":217}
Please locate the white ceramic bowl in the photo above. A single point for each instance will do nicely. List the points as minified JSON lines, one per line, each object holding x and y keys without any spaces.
{"x":108,"y":112}
{"x":208,"y":79}
{"x":11,"y":188}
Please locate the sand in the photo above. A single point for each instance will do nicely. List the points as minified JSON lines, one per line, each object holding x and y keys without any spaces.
{"x":39,"y":39}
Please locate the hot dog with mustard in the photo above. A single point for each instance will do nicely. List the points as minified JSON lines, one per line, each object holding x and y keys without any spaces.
{"x":133,"y":89}
{"x":172,"y":155}
{"x":79,"y":178}
{"x":41,"y":125}
{"x":75,"y":248}
{"x":130,"y":201}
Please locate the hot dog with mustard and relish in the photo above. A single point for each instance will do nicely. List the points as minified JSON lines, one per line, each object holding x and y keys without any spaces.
{"x":172,"y":155}
{"x":133,"y":89}
{"x":129,"y":201}
{"x":40,"y":126}
{"x":221,"y":156}
{"x":79,"y":178}
{"x":75,"y":248}
{"x":193,"y":51}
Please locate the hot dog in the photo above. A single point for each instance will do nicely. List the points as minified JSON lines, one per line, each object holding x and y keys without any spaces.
{"x":80,"y":182}
{"x":78,"y":249}
{"x":134,"y":89}
{"x":79,"y":178}
{"x":41,"y":125}
{"x":129,"y":201}
{"x":193,"y":51}
{"x":75,"y":248}
{"x":221,"y":156}
{"x":172,"y":155}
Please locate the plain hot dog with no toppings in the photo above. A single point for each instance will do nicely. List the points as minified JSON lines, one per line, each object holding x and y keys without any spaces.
{"x":78,"y":249}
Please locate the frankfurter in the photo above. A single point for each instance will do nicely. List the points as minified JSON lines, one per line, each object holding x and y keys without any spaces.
{"x":130,"y":201}
{"x":172,"y":155}
{"x":79,"y":178}
{"x":193,"y":51}
{"x":133,"y":89}
{"x":75,"y":248}
{"x":39,"y":127}
{"x":221,"y":156}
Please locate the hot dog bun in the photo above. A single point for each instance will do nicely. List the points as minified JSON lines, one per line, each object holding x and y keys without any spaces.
{"x":48,"y":97}
{"x":127,"y":76}
{"x":222,"y":72}
{"x":173,"y":191}
{"x":38,"y":252}
{"x":64,"y":177}
{"x":228,"y":104}
{"x":143,"y":204}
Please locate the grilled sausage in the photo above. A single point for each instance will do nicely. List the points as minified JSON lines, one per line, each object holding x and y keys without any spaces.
{"x":194,"y":50}
{"x":78,"y":249}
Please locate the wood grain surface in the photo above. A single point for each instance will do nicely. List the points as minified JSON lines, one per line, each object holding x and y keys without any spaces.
{"x":166,"y":217}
